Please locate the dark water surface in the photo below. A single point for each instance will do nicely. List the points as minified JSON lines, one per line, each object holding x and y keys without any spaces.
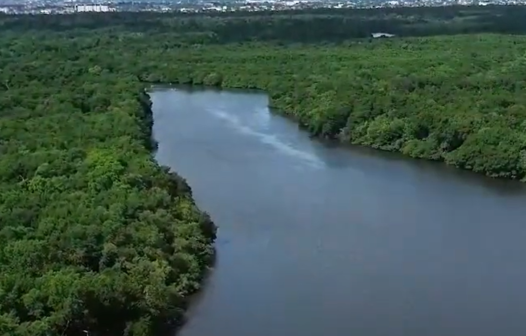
{"x":318,"y":240}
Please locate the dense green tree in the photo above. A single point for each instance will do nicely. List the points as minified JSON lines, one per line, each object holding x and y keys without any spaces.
{"x":96,"y":236}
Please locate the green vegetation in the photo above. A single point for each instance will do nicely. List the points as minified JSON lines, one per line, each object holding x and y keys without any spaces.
{"x":458,"y":99}
{"x":95,"y":236}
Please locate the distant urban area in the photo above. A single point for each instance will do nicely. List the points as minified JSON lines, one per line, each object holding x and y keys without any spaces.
{"x":75,"y":6}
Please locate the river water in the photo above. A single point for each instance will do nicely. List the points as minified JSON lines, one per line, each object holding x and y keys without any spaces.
{"x":318,"y":240}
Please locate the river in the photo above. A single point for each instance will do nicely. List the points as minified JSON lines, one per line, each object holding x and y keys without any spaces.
{"x":317,"y":239}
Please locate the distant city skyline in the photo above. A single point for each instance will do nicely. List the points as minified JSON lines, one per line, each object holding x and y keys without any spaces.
{"x":74,"y":6}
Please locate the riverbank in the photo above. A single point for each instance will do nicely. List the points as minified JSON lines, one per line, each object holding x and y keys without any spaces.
{"x":319,"y":239}
{"x":477,"y":143}
{"x":427,"y":98}
{"x":179,"y":189}
{"x":97,"y":237}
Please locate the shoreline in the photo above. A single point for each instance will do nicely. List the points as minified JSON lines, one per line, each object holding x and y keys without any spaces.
{"x":338,"y":139}
{"x":208,"y":227}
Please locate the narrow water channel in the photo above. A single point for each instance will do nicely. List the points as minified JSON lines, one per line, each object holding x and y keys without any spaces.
{"x":318,"y":240}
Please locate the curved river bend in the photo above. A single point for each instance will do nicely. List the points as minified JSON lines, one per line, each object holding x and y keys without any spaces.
{"x":318,"y":240}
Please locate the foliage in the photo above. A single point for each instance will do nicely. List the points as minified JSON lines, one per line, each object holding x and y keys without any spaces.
{"x":95,"y":236}
{"x":456,"y":99}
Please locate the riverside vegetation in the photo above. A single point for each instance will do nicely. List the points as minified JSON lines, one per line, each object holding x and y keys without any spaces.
{"x":97,"y":237}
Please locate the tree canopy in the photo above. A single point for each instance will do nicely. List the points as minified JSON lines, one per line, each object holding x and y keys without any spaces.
{"x":96,"y":236}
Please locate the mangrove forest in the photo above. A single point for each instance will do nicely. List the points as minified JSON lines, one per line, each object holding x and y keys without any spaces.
{"x":98,"y":239}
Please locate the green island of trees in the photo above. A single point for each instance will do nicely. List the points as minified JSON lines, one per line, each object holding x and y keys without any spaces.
{"x":97,"y":237}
